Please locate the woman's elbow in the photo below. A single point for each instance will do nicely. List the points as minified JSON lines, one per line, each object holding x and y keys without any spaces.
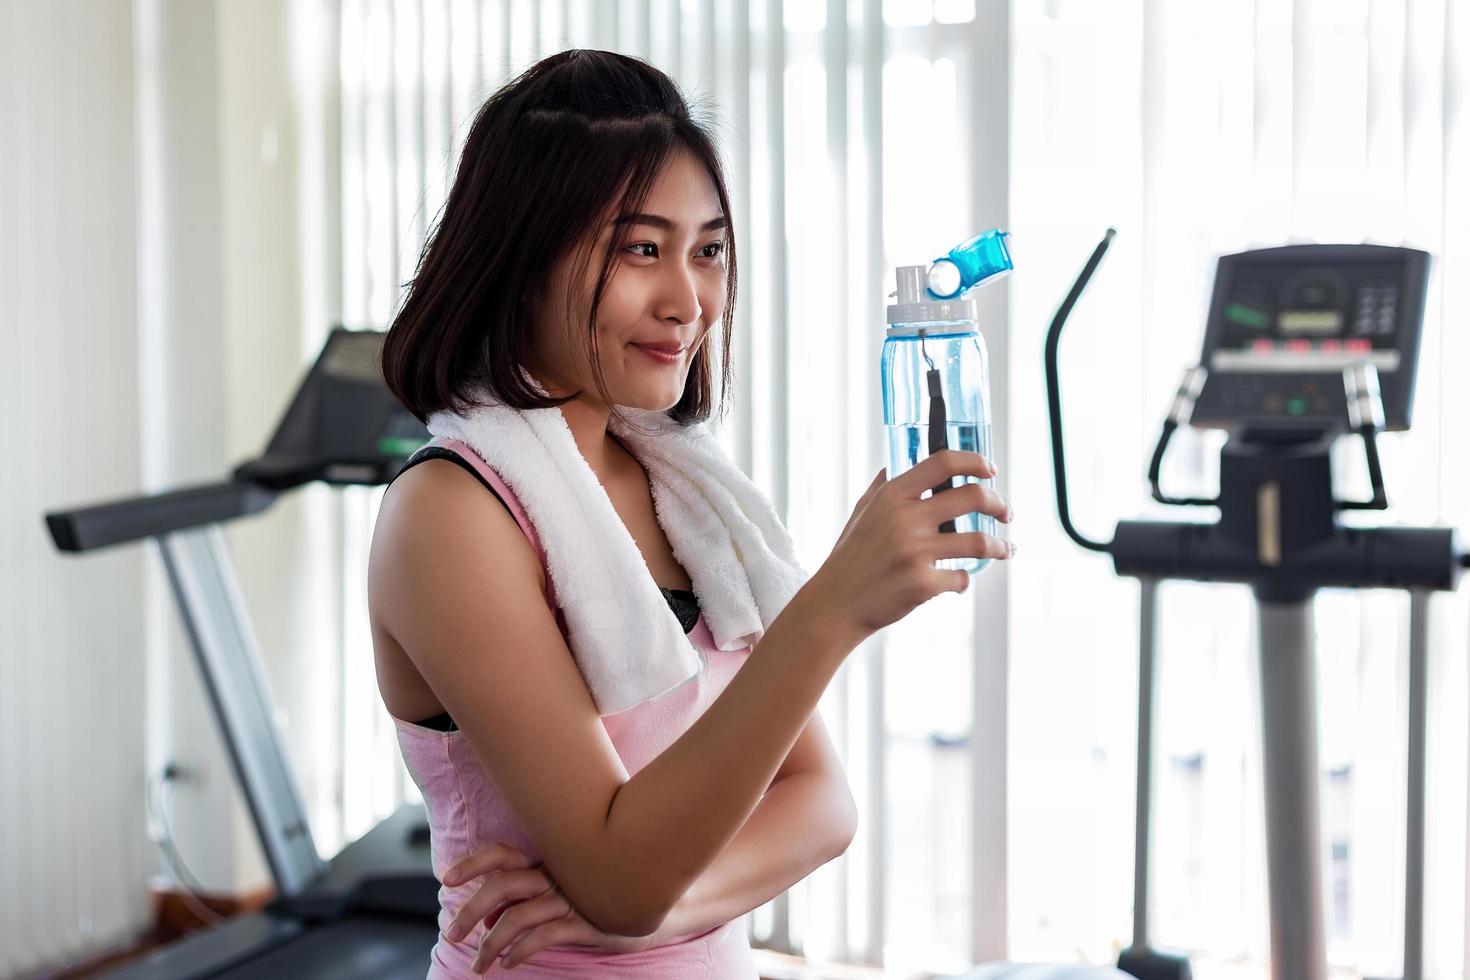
{"x":624,"y":920}
{"x":629,"y":911}
{"x":844,"y":822}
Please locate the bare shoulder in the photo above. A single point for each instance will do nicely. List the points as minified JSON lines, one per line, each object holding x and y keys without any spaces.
{"x":425,"y":511}
{"x":439,"y":521}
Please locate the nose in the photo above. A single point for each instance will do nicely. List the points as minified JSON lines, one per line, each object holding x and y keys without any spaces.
{"x":677,"y":301}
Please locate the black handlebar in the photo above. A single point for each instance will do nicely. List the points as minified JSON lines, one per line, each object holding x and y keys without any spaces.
{"x":1054,"y":396}
{"x":121,"y":521}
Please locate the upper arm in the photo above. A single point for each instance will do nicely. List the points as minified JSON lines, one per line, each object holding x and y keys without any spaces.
{"x":813,"y":755}
{"x":454,"y":581}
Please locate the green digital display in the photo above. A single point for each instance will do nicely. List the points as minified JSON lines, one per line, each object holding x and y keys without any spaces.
{"x":1247,"y":316}
{"x":399,"y":445}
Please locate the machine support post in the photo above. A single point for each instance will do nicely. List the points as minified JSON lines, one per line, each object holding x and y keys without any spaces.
{"x":218,"y":627}
{"x":1415,"y":815}
{"x":1293,"y":827}
{"x":1148,"y":622}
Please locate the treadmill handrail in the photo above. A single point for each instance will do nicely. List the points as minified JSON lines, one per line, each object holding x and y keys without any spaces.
{"x":154,"y":515}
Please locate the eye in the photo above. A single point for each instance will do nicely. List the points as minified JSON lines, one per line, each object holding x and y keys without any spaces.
{"x":647,"y":245}
{"x":714,"y":250}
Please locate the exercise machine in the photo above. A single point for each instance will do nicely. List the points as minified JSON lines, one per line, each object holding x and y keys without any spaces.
{"x":1303,"y":344}
{"x":371,"y":911}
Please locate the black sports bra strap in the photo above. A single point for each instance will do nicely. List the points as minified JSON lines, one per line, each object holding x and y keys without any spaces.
{"x":439,"y":452}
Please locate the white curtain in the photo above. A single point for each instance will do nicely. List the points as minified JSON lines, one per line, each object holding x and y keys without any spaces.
{"x":1200,"y":129}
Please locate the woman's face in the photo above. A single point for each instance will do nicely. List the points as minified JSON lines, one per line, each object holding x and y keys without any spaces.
{"x":666,"y":289}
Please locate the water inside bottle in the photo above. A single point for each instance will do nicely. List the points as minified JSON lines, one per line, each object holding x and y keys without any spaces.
{"x":909,"y":444}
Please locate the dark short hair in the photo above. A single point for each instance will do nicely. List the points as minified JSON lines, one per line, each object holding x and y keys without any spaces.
{"x":577,"y":135}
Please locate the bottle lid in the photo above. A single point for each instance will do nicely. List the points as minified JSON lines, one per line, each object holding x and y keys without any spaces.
{"x":978,"y":260}
{"x":932,"y":293}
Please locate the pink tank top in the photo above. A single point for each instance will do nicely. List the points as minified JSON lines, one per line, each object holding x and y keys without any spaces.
{"x":466,"y":813}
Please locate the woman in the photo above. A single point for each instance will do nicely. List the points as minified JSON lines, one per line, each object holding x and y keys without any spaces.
{"x":583,"y":260}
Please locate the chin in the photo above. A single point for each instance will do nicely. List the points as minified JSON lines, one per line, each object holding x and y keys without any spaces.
{"x":653,"y":390}
{"x":659,"y":403}
{"x":650,"y":400}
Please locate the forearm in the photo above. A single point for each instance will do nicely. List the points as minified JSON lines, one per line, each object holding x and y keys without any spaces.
{"x":804,"y":820}
{"x":680,"y":812}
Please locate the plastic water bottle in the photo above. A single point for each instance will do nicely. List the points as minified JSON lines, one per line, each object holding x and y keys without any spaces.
{"x":935,"y":370}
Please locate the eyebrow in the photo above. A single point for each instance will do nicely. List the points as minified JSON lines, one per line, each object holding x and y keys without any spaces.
{"x":659,"y":221}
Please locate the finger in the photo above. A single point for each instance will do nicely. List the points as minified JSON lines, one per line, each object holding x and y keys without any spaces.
{"x":949,"y":580}
{"x":969,"y":498}
{"x":496,"y":857}
{"x":972,"y":544}
{"x":940,"y":467}
{"x":557,"y":932}
{"x":517,"y":919}
{"x":502,"y":887}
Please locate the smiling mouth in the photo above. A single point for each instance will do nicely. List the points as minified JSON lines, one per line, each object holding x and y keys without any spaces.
{"x":664,"y":355}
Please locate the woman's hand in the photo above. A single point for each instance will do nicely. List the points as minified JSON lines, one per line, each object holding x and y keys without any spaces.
{"x":882,"y":566}
{"x":524,"y":910}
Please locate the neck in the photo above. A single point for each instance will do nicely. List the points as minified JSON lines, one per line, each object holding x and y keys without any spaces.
{"x":587,"y":418}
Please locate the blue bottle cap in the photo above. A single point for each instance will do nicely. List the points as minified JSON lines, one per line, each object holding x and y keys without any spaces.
{"x":981,"y":258}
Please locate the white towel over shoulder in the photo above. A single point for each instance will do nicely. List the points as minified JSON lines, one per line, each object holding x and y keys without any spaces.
{"x":628,"y":644}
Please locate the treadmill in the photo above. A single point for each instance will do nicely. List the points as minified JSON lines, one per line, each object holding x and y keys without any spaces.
{"x":371,"y":912}
{"x":1303,"y":344}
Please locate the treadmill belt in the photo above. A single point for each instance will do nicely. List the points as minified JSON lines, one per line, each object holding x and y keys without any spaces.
{"x":361,"y":948}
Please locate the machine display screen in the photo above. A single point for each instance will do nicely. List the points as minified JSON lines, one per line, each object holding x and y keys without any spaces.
{"x":353,"y":356}
{"x":343,"y":425}
{"x":1285,"y":322}
{"x":1280,"y":317}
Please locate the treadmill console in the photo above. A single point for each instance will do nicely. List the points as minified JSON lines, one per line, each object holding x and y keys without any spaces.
{"x":1284,"y":322}
{"x":343,"y":426}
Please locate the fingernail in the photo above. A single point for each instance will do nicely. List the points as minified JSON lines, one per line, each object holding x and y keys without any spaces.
{"x":1010,"y":515}
{"x":454,"y":933}
{"x":1012,"y":546}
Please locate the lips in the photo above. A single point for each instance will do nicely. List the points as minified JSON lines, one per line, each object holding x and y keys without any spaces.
{"x":668,"y":355}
